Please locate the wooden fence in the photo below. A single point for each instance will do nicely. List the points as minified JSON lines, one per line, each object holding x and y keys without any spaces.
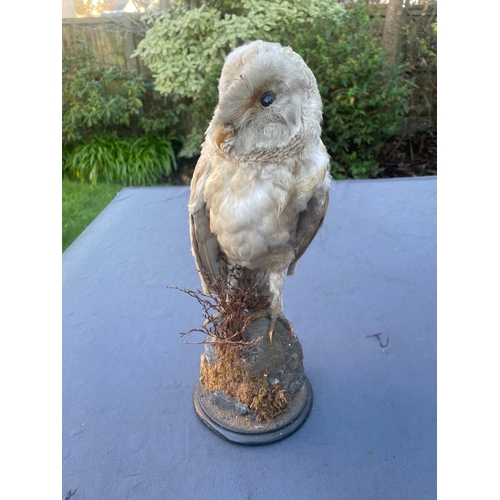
{"x":111,"y":39}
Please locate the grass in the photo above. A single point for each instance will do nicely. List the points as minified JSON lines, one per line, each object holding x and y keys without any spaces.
{"x":81,"y":204}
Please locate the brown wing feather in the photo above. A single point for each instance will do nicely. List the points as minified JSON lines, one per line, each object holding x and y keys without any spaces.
{"x":310,"y":221}
{"x":204,"y":244}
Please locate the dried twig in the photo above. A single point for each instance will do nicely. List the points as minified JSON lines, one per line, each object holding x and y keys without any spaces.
{"x":227,"y":305}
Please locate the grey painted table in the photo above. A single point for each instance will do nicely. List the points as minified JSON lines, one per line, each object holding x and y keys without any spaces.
{"x":129,"y":428}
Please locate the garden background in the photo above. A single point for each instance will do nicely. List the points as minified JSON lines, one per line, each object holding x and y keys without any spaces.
{"x":139,"y":88}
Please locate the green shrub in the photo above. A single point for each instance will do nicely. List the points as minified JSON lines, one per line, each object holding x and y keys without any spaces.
{"x":116,"y":127}
{"x":110,"y":101}
{"x":420,"y":52}
{"x":185,"y":49}
{"x":364,"y":95}
{"x":130,"y":161}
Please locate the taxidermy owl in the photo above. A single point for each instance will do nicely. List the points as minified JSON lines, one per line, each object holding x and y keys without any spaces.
{"x":259,"y":192}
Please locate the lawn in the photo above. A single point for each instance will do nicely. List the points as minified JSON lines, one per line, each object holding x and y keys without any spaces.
{"x":81,"y":204}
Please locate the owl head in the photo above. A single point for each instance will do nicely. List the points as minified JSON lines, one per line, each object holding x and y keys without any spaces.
{"x":269,"y":104}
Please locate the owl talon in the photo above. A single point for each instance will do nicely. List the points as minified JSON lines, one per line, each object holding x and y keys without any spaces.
{"x":288,"y":324}
{"x":265,"y":314}
{"x":271,"y":329}
{"x":285,"y":321}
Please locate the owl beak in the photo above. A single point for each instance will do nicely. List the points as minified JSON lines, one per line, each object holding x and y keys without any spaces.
{"x":222,"y":133}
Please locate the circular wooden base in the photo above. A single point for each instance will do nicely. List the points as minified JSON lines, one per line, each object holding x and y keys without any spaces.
{"x":242,"y":429}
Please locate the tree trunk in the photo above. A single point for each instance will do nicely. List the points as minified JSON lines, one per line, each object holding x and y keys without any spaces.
{"x":392,"y":27}
{"x":165,"y":5}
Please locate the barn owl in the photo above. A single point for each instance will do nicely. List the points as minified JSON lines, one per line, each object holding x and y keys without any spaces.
{"x":259,"y":192}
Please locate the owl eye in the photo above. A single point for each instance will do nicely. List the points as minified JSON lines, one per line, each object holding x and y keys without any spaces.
{"x":267,"y":99}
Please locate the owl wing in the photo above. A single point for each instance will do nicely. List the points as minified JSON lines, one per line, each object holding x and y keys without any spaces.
{"x":204,"y":244}
{"x":310,"y":221}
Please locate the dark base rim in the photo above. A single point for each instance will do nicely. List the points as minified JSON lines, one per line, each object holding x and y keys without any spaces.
{"x":257,"y":438}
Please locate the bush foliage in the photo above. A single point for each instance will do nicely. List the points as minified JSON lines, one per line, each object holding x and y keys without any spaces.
{"x":363,"y":95}
{"x":107,"y":110}
{"x":420,"y":53}
{"x":116,"y":127}
{"x":140,"y":161}
{"x":185,"y":48}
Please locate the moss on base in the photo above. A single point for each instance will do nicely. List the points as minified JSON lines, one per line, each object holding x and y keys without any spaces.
{"x":230,"y":376}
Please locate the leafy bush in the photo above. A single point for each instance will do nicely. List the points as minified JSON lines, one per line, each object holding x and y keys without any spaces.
{"x":116,"y":126}
{"x":364,"y":95}
{"x":110,"y":101}
{"x":185,"y":49}
{"x":420,"y":51}
{"x":130,"y":161}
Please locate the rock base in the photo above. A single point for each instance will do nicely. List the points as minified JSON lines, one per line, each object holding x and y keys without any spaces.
{"x":242,"y":429}
{"x":256,"y":394}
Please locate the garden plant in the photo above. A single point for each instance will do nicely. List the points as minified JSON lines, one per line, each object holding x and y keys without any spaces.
{"x":124,"y":128}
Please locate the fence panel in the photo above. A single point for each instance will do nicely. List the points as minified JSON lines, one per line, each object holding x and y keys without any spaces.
{"x":112,"y":39}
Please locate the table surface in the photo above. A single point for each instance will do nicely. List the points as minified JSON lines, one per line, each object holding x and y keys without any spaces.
{"x":129,"y":427}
